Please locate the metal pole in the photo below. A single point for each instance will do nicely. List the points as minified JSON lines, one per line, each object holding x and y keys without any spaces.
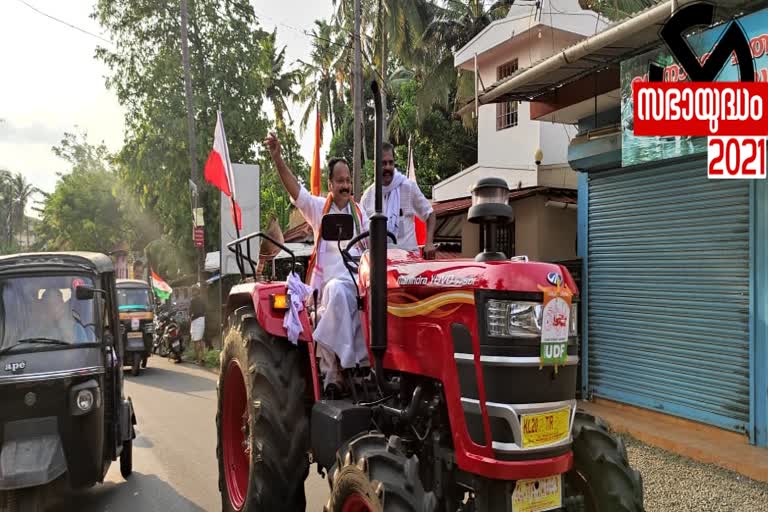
{"x":357,"y":79}
{"x":190,"y":125}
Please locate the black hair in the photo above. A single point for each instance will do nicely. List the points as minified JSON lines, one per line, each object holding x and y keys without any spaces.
{"x":332,"y":165}
{"x":386,"y":146}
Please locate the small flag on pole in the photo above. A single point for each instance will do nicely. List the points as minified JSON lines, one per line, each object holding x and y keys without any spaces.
{"x":160,"y":287}
{"x":314,"y":175}
{"x":421,"y":227}
{"x":218,"y":170}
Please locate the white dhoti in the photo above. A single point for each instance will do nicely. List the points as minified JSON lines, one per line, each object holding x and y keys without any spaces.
{"x":339,"y":332}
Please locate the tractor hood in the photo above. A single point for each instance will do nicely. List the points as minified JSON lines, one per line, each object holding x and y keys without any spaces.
{"x":406,"y":270}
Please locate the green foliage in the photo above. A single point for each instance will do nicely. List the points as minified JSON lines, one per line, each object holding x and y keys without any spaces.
{"x":84,"y":213}
{"x":15,"y":194}
{"x":229,"y":68}
{"x":616,"y":10}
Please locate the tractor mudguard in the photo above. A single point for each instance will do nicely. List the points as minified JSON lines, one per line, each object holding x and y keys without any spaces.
{"x":31,"y":454}
{"x":271,"y":320}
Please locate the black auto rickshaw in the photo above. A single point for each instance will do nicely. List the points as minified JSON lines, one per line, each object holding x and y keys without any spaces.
{"x":136,"y":303}
{"x":64,"y":418}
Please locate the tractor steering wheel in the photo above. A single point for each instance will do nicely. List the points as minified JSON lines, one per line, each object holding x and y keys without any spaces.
{"x":355,"y":260}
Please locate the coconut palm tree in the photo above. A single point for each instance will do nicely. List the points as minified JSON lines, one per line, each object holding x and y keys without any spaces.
{"x":318,"y":89}
{"x":279,"y":83}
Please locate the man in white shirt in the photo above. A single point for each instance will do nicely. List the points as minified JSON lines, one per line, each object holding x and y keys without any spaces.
{"x":402,"y":200}
{"x":338,"y":332}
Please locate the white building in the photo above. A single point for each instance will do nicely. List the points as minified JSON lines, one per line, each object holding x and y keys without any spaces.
{"x":529,"y":154}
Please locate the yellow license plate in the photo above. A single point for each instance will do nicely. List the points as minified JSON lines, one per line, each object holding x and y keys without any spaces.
{"x":545,"y":428}
{"x":135,"y":335}
{"x":537,"y":495}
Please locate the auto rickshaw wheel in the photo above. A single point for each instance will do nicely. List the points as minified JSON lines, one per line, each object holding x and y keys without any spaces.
{"x":126,"y":459}
{"x":262,"y":421}
{"x":136,"y":364}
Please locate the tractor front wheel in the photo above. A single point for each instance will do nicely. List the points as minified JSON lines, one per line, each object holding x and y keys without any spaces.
{"x":601,"y":474}
{"x":373,"y":474}
{"x":261,"y":421}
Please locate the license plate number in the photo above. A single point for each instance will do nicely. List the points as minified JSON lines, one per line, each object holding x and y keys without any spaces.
{"x":545,"y":428}
{"x":537,"y":495}
{"x":135,"y":335}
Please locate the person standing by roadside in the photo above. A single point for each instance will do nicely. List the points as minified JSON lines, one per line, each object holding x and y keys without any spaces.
{"x":197,"y":326}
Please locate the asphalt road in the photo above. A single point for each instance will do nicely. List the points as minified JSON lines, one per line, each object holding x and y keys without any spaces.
{"x":174,"y":454}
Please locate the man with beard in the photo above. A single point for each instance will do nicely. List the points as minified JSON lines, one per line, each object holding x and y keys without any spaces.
{"x":402,"y":201}
{"x":338,"y":332}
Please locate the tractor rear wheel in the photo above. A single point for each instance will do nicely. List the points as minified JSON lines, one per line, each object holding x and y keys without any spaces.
{"x":261,"y":421}
{"x":373,"y":474}
{"x":601,"y":471}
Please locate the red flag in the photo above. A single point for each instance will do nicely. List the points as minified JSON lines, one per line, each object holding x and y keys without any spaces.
{"x":314,"y":175}
{"x":218,"y":170}
{"x":421,"y":227}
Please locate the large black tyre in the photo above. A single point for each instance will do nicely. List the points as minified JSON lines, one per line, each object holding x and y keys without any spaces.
{"x":372,"y":473}
{"x":601,"y":471}
{"x":136,"y":364}
{"x":268,"y":374}
{"x":126,"y":459}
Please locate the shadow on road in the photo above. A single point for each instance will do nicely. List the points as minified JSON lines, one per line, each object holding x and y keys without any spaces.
{"x":174,"y":381}
{"x":145,"y":493}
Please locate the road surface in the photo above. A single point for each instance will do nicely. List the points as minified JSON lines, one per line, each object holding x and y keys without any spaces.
{"x":174,"y":453}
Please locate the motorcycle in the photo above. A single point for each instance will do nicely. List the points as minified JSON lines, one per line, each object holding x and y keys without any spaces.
{"x":173,"y":341}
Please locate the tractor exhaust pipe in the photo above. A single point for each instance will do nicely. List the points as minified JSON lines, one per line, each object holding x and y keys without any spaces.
{"x":378,"y":230}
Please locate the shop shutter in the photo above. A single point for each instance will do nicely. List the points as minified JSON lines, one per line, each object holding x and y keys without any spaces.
{"x":669,"y":293}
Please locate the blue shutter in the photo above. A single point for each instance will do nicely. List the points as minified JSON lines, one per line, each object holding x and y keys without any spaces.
{"x":669,"y":293}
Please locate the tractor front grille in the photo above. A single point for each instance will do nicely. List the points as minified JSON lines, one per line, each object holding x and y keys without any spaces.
{"x":514,"y":385}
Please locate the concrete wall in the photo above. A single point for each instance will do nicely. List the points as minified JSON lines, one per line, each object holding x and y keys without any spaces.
{"x":527,"y":226}
{"x":558,"y":236}
{"x":544,"y":233}
{"x":470,"y":239}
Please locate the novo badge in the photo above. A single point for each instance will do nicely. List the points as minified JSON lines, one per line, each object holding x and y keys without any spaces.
{"x":15,"y":366}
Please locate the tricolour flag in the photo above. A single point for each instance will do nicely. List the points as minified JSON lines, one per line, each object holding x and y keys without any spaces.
{"x":315,"y":172}
{"x":160,"y":287}
{"x":421,"y":228}
{"x":218,"y":170}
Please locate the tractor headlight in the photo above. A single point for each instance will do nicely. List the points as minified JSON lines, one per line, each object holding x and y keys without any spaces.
{"x":509,"y":319}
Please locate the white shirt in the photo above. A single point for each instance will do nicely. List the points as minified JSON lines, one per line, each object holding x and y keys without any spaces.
{"x":329,"y":263}
{"x":412,"y":203}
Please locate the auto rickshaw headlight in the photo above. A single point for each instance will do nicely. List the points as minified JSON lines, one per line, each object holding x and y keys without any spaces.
{"x":85,"y":400}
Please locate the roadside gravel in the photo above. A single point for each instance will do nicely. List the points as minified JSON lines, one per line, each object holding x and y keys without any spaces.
{"x":677,"y":484}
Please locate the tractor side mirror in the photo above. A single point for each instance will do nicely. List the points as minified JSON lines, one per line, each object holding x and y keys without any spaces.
{"x":337,"y":226}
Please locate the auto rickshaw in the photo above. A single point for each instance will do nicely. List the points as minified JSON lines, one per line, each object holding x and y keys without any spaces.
{"x":64,"y":417}
{"x":136,"y":303}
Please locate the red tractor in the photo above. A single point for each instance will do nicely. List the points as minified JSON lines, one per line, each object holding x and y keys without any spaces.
{"x":456,"y":411}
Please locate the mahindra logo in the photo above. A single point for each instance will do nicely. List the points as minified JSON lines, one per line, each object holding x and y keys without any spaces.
{"x":16,"y":366}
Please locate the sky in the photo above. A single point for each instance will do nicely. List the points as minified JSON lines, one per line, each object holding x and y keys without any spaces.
{"x":52,"y":83}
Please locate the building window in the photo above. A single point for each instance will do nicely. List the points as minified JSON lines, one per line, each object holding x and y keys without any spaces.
{"x":506,"y":112}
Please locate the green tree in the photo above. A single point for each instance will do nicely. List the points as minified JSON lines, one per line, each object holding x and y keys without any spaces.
{"x":229,"y":68}
{"x":83,"y":213}
{"x":15,"y":194}
{"x":616,"y":10}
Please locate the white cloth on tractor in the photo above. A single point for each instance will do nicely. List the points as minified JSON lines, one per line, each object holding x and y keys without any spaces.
{"x":338,"y":329}
{"x":197,"y":328}
{"x":408,"y":202}
{"x":297,"y":294}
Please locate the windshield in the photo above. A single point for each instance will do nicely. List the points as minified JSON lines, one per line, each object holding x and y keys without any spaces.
{"x":133,"y":298}
{"x":45,"y":308}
